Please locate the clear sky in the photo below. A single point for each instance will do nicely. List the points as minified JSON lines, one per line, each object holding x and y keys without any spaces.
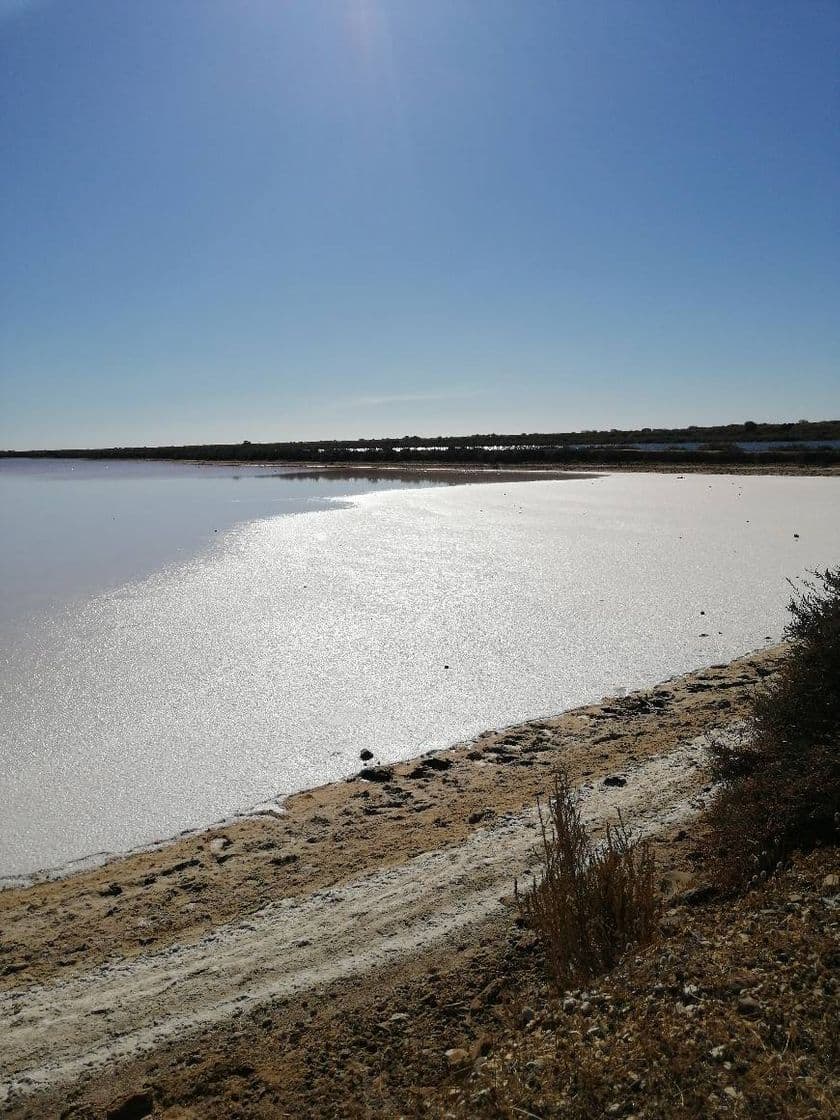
{"x":279,"y":219}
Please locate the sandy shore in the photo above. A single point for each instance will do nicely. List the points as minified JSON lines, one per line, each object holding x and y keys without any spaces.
{"x":153,"y":898}
{"x":361,"y":877}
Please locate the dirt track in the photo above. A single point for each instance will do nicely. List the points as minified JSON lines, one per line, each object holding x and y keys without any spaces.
{"x":64,"y":1029}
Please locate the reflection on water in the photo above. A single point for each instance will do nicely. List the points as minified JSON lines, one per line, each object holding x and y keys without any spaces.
{"x":75,"y":527}
{"x":400,"y":623}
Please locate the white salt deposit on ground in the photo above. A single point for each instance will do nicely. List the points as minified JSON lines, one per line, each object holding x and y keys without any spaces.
{"x":128,"y":1007}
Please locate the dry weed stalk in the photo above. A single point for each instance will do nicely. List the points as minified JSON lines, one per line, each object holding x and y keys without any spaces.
{"x":590,"y":900}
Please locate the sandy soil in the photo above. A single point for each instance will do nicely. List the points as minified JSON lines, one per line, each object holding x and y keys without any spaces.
{"x":365,"y":877}
{"x":125,"y":1008}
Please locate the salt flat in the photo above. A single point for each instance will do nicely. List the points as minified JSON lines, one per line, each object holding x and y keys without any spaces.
{"x":409,"y":621}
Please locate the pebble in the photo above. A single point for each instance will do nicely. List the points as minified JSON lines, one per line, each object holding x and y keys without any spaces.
{"x":456,"y":1056}
{"x":376,"y":773}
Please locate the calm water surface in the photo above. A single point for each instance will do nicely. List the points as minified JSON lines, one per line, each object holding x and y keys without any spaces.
{"x":157,"y":675}
{"x":72,"y":528}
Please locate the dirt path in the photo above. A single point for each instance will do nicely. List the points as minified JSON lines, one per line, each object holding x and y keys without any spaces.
{"x":58,"y":1031}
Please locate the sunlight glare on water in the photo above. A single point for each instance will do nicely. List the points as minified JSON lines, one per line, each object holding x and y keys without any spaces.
{"x":406,"y":622}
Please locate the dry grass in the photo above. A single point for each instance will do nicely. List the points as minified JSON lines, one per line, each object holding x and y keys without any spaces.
{"x":734,"y":1014}
{"x":781,"y":785}
{"x":590,"y":900}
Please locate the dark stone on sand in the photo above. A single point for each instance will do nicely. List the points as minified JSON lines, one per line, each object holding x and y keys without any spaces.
{"x":435,"y":763}
{"x":175,"y":868}
{"x":421,"y":770}
{"x":376,"y":773}
{"x":365,"y":755}
{"x":615,"y":780}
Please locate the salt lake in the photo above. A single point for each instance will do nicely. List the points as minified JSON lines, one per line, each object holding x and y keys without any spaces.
{"x":177,"y":648}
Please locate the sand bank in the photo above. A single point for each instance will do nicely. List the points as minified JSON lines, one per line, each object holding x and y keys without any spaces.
{"x":354,"y":877}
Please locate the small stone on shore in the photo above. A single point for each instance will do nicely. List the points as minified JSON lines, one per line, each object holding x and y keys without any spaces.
{"x":376,"y":773}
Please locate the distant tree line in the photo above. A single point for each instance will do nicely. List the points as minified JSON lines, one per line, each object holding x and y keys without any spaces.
{"x":716,"y":444}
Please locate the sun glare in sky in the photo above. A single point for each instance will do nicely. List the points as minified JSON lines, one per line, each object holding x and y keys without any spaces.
{"x":349,"y":218}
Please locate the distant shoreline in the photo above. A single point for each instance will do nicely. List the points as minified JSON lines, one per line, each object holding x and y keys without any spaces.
{"x":510,"y":473}
{"x":804,"y":446}
{"x":496,"y":472}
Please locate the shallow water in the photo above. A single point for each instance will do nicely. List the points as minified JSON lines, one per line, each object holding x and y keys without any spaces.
{"x":404,"y":622}
{"x":73,"y":528}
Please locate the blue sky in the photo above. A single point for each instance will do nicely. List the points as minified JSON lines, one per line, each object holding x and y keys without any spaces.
{"x":279,"y":219}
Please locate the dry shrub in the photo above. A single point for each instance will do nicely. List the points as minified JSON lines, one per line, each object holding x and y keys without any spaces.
{"x":664,"y":1036}
{"x":590,"y":900}
{"x":781,"y":784}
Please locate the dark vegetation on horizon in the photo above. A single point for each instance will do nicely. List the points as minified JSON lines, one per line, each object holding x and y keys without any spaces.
{"x":717,"y":444}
